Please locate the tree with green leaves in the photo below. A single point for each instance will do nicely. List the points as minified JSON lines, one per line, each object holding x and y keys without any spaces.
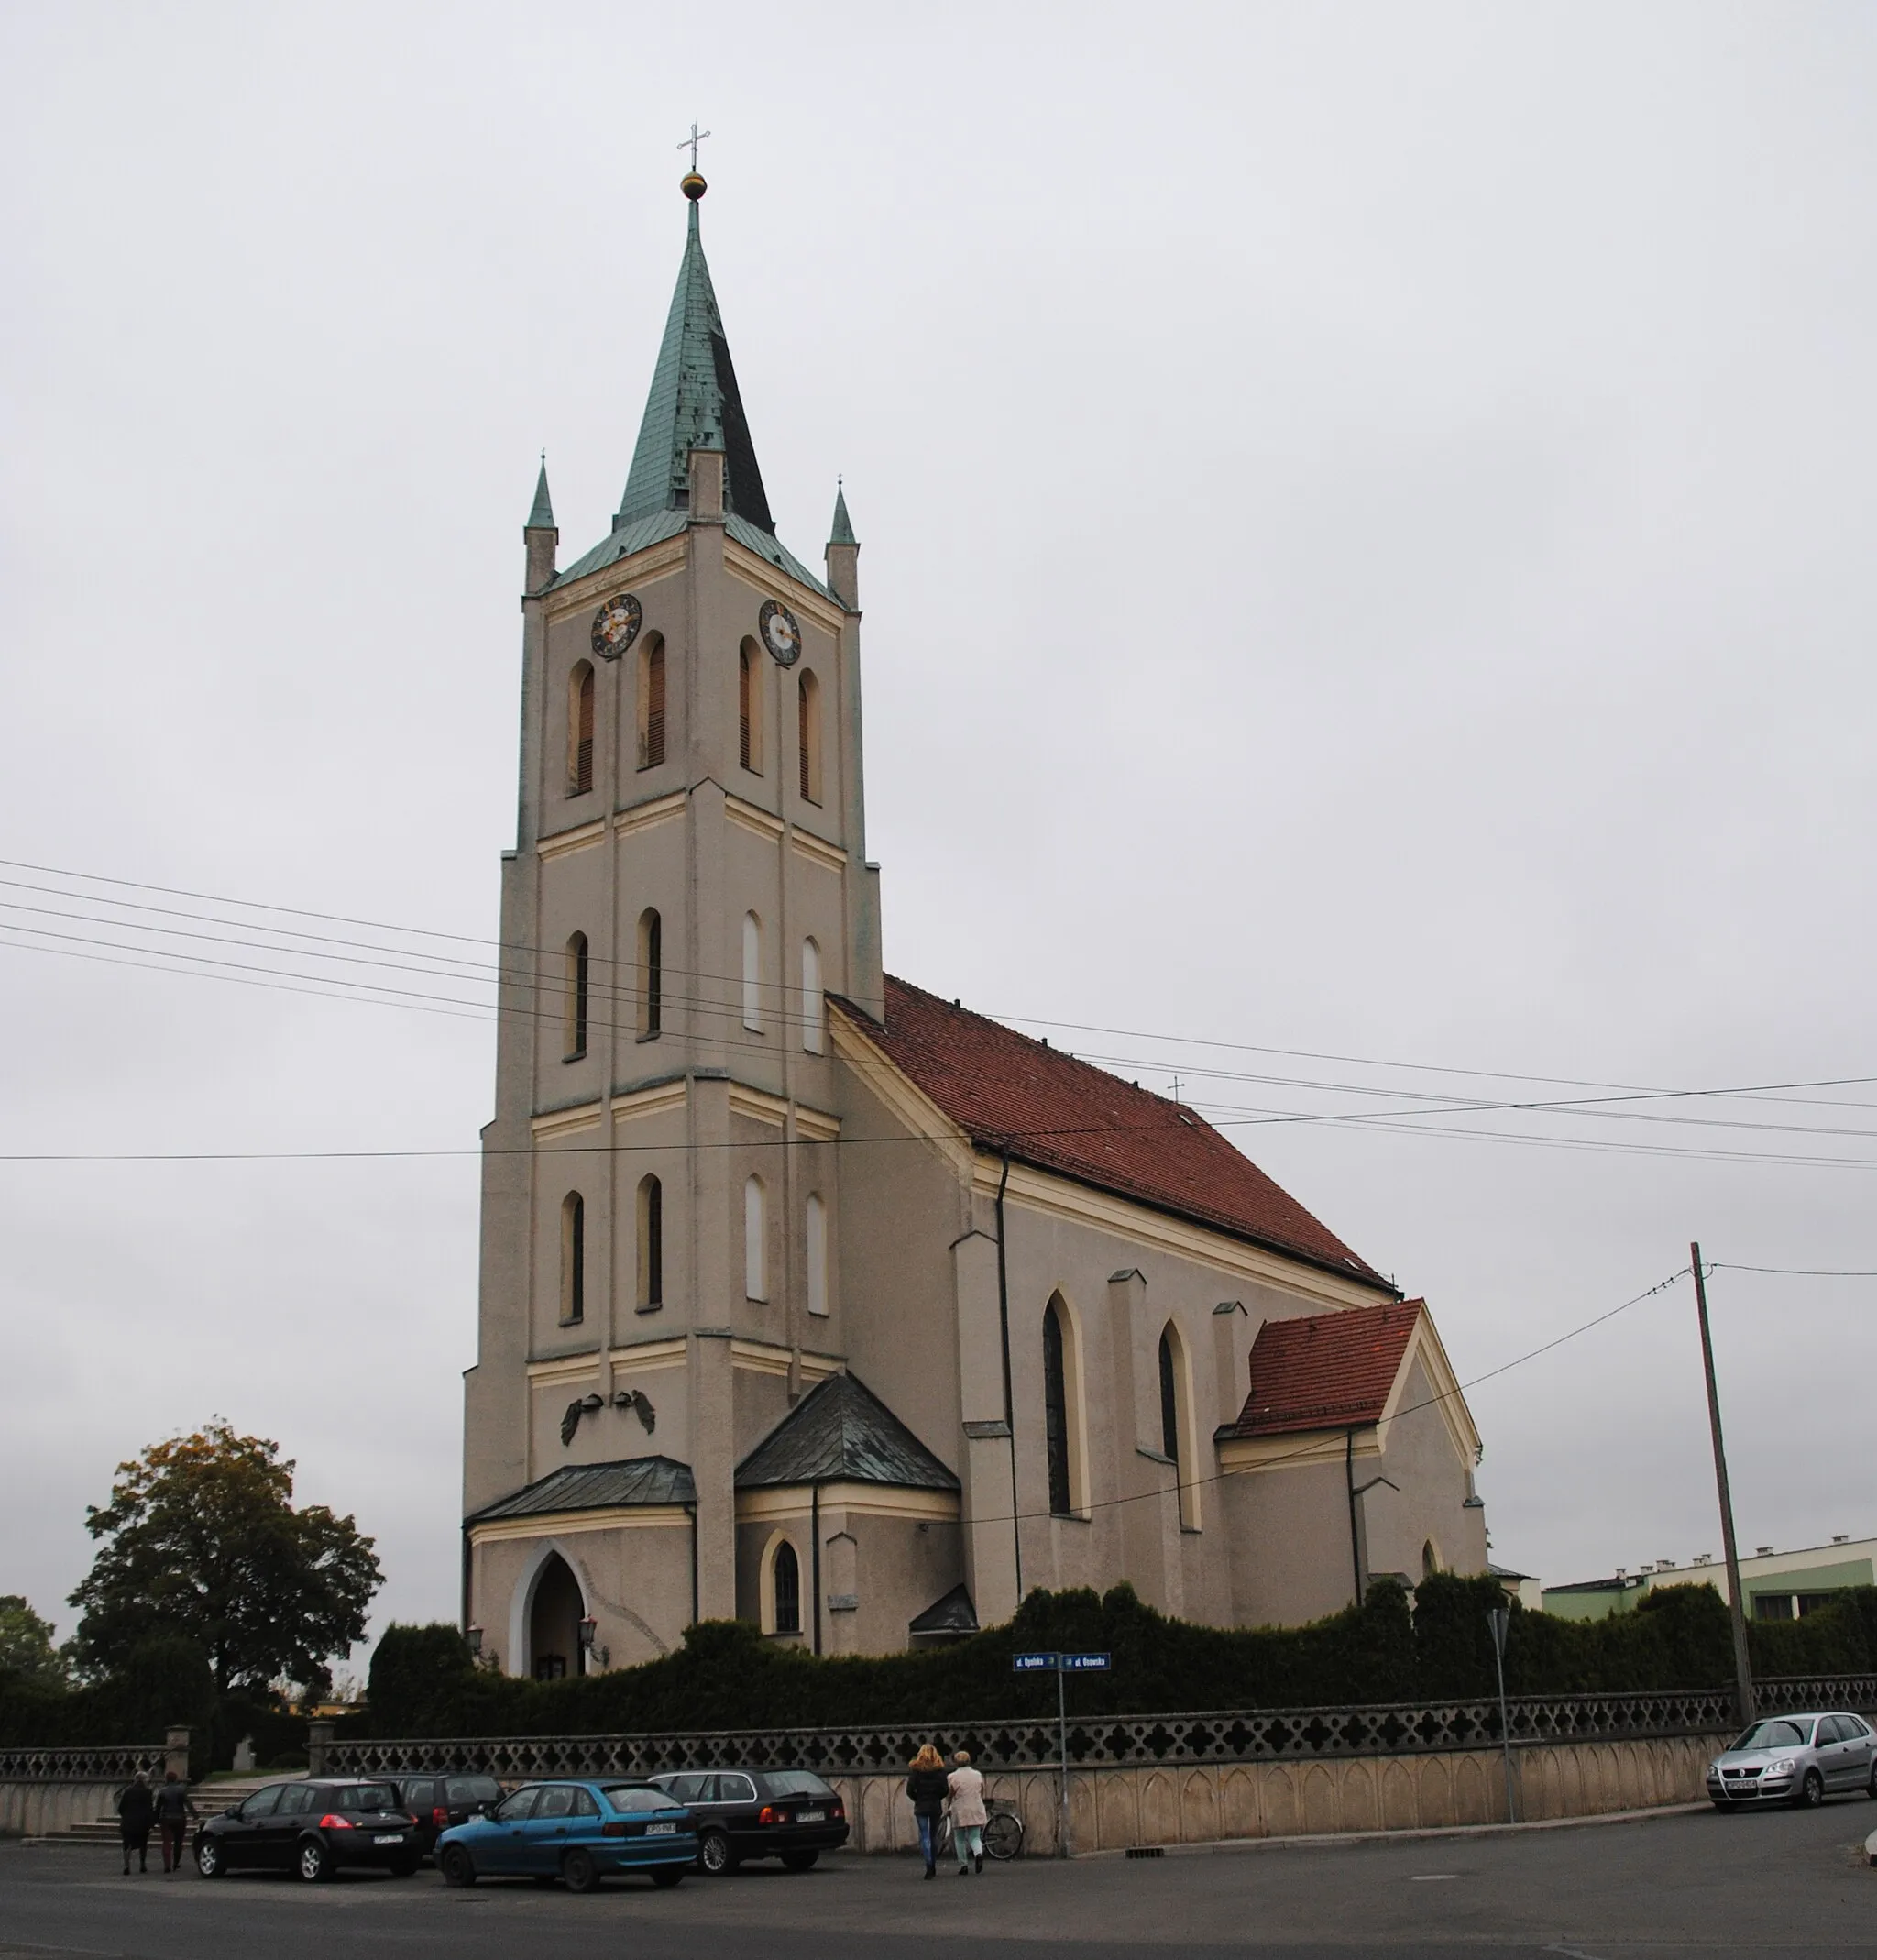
{"x":26,"y":1643}
{"x":201,"y":1538}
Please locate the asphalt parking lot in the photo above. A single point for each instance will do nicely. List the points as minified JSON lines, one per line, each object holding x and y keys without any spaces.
{"x":1782,"y":1883}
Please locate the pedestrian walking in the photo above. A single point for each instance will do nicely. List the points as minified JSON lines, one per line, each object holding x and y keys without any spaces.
{"x":136,"y":1810}
{"x":928,"y":1787}
{"x":174,"y":1810}
{"x":968,"y":1815}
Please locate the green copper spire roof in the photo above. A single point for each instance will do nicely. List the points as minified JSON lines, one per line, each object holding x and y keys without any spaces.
{"x":842,"y":532}
{"x":541,"y":518}
{"x":694,"y":405}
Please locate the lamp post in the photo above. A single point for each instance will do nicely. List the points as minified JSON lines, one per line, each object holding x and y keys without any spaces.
{"x":473,"y":1634}
{"x":589,"y":1628}
{"x":1499,"y":1619}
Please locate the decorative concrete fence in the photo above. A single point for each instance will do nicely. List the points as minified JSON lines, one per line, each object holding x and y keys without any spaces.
{"x":1165,"y":1779}
{"x":43,"y":1790}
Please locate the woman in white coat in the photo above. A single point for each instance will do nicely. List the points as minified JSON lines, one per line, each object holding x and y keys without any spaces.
{"x":968,"y":1813}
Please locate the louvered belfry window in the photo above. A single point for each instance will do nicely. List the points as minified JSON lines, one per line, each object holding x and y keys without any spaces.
{"x":652,"y":738}
{"x":580,"y":772}
{"x":808,"y":729}
{"x":746,"y":684}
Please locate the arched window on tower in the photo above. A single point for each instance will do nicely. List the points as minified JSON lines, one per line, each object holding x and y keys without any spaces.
{"x":573,"y":1259}
{"x":811,"y":997}
{"x":652,"y":702}
{"x":750,"y":707}
{"x":755,"y":1241}
{"x":575,"y":1001}
{"x":753,"y":973}
{"x":1055,"y":1435}
{"x":808,"y":731}
{"x":651,"y":973}
{"x":580,"y":730}
{"x":651,"y":1244}
{"x":815,"y":1235}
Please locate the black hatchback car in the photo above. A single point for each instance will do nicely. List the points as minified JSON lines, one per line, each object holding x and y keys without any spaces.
{"x":439,"y":1801}
{"x":312,"y":1828}
{"x":789,"y":1814}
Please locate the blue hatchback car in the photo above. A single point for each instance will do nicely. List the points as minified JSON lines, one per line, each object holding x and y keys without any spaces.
{"x":575,"y":1832}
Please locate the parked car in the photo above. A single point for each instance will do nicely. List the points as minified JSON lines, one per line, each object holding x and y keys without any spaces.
{"x":577,"y":1832}
{"x":789,"y":1814}
{"x":439,"y":1801}
{"x":1796,"y":1759}
{"x":314,"y":1827}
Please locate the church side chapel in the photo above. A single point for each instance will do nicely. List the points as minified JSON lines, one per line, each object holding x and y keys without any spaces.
{"x":808,"y":1297}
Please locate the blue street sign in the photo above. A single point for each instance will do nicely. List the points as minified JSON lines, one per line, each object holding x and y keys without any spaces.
{"x":1033,"y":1663}
{"x":1085,"y":1663}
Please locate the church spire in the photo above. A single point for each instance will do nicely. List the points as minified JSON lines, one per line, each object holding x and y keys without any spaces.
{"x":541,"y":518}
{"x":842,"y":531}
{"x":539,"y":536}
{"x":694,"y":402}
{"x":843,"y":554}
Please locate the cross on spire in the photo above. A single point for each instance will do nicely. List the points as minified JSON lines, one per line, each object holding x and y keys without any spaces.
{"x":692,"y":141}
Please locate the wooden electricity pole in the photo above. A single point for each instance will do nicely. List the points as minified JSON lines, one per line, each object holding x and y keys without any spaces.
{"x":1737,"y":1609}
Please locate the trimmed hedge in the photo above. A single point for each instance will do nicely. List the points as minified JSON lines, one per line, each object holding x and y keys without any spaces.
{"x":161,"y":1681}
{"x":726,"y":1675}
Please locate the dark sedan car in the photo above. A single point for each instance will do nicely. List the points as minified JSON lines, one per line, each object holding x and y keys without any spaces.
{"x":439,"y":1801}
{"x":313,"y":1827}
{"x":789,"y":1814}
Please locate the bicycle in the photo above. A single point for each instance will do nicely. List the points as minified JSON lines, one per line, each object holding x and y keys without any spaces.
{"x":1003,"y":1833}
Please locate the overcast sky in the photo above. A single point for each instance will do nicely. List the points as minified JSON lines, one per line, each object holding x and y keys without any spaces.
{"x":1366,"y":551}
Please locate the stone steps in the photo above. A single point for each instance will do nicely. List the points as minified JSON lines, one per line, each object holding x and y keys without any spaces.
{"x":210,"y":1798}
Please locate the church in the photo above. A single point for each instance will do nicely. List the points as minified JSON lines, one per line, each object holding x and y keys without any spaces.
{"x":808,"y":1297}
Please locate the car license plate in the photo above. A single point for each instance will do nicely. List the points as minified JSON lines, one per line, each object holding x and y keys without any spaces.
{"x":661,"y":1830}
{"x":812,"y":1817}
{"x":388,"y":1837}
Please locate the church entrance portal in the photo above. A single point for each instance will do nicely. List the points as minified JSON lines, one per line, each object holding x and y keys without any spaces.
{"x":554,"y":1622}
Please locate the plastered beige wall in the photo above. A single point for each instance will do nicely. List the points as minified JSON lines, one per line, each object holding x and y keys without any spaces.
{"x":1112,"y":1809}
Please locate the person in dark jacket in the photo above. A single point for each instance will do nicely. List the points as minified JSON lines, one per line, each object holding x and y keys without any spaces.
{"x":928,"y":1788}
{"x":173,"y":1811}
{"x":136,"y":1811}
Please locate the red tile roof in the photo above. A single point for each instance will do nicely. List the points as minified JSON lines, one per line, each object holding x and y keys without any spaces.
{"x":1005,"y":1090}
{"x":1329,"y":1371}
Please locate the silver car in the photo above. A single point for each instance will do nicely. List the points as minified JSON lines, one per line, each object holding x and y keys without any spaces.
{"x":1795,"y":1760}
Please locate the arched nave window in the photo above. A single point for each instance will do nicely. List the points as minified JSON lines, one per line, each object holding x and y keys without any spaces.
{"x":1058,"y":1407}
{"x":1176,"y":1440}
{"x":784,"y":1588}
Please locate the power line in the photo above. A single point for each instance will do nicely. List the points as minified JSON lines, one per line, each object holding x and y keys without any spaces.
{"x":1800,"y":1273}
{"x":1305,"y":1449}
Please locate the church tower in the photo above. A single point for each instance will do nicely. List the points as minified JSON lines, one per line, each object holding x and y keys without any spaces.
{"x":660,"y":1204}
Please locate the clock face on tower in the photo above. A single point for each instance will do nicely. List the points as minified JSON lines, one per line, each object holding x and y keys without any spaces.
{"x":615,"y":625}
{"x":780,"y":634}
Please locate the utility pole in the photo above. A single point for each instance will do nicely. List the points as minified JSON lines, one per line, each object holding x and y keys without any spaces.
{"x":1737,"y":1610}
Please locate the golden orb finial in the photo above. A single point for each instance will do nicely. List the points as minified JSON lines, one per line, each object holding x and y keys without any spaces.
{"x":692,"y":185}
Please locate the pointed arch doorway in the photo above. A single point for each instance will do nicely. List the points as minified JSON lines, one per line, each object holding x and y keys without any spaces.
{"x":553,"y":1621}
